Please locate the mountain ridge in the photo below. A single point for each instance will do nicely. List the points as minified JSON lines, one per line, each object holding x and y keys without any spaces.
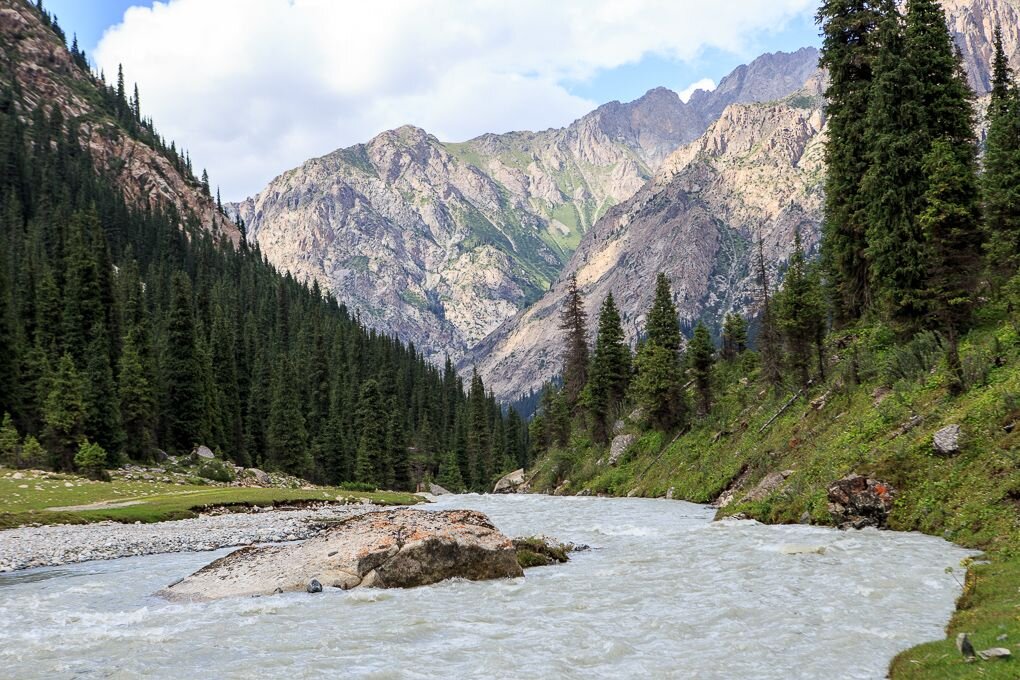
{"x":467,"y":234}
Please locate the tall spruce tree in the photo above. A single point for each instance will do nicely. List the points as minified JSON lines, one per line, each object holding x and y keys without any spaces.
{"x":734,"y":336}
{"x":920,"y":95}
{"x":136,"y":403}
{"x":609,"y":375}
{"x":768,"y":335}
{"x":371,"y":434}
{"x":951,"y":221}
{"x":574,"y":324}
{"x":286,"y":434}
{"x":1001,"y":180}
{"x":800,"y":314}
{"x":701,"y":359}
{"x":64,"y":414}
{"x":662,"y":327}
{"x":181,"y":368}
{"x":849,"y":52}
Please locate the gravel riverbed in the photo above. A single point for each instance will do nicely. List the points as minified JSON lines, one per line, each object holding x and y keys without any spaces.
{"x":48,"y":546}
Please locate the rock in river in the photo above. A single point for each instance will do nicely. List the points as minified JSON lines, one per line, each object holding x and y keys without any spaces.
{"x":390,"y":549}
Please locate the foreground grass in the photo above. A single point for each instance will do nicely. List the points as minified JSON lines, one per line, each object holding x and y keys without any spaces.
{"x":883,"y":428}
{"x":28,"y":501}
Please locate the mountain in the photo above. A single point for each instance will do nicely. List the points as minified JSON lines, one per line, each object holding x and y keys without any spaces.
{"x":440,"y":243}
{"x":758,"y":169}
{"x":130,"y":330}
{"x":35,"y":58}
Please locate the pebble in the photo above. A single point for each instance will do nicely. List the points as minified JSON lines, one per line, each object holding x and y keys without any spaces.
{"x":47,"y":546}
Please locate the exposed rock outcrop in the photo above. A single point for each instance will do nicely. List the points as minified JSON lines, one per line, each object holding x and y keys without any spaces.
{"x":514,"y":482}
{"x":47,"y":76}
{"x":440,"y":243}
{"x":621,"y":444}
{"x":392,"y":549}
{"x":857,"y":502}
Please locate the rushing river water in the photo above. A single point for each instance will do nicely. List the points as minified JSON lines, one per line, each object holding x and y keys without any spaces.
{"x":665,"y":593}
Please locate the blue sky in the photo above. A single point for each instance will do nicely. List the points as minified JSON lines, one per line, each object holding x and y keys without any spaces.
{"x":253,"y":87}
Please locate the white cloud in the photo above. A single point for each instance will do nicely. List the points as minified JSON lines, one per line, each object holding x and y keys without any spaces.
{"x":706,"y":84}
{"x":253,"y":87}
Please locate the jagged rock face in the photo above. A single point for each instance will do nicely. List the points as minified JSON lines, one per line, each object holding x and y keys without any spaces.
{"x":758,"y":170}
{"x":47,"y":76}
{"x":973,"y":23}
{"x":440,"y":243}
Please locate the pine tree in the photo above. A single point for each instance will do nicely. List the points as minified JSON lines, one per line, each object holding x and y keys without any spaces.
{"x":662,"y":326}
{"x":609,"y":375}
{"x":479,"y":435}
{"x":951,"y":221}
{"x":734,"y":336}
{"x":574,"y":323}
{"x":800,"y":314}
{"x":9,"y":384}
{"x":920,"y":95}
{"x":768,"y":336}
{"x":701,"y":358}
{"x":64,"y":414}
{"x":286,"y":436}
{"x":372,"y":434}
{"x":136,"y":403}
{"x":449,"y":473}
{"x":849,"y":52}
{"x":102,"y":406}
{"x":182,"y":371}
{"x":10,"y":443}
{"x":1001,"y":180}
{"x":658,"y":387}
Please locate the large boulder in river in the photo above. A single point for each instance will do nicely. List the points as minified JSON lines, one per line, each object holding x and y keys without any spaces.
{"x":857,"y":502}
{"x":389,"y":549}
{"x":515,"y":482}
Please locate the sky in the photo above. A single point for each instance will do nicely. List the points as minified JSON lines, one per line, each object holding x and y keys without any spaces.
{"x":254,"y":87}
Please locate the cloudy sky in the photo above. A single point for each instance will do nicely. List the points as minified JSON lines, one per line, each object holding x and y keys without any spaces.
{"x":254,"y":87}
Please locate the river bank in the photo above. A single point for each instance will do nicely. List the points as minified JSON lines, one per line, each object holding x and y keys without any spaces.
{"x":41,"y":546}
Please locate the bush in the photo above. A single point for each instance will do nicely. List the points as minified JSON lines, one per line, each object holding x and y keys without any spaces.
{"x":216,"y":471}
{"x":91,"y":460}
{"x":33,"y":455}
{"x":357,"y":486}
{"x":913,"y":360}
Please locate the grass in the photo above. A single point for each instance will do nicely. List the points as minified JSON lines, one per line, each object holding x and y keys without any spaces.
{"x":26,"y":501}
{"x":971,"y":498}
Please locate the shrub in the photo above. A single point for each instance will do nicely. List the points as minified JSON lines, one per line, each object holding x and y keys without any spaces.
{"x":91,"y":460}
{"x":913,"y":360}
{"x":216,"y":471}
{"x":33,"y":455}
{"x":360,"y":486}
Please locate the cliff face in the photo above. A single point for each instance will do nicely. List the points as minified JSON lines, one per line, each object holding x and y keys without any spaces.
{"x":757,"y":170}
{"x":36,"y":60}
{"x":440,"y":243}
{"x":973,"y":23}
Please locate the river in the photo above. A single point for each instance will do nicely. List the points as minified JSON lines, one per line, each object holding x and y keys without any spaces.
{"x":664,"y":592}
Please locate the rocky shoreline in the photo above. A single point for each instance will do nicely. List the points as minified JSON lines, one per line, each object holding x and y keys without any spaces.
{"x":48,"y":546}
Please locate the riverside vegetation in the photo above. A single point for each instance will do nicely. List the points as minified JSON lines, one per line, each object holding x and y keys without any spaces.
{"x":908,"y":322}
